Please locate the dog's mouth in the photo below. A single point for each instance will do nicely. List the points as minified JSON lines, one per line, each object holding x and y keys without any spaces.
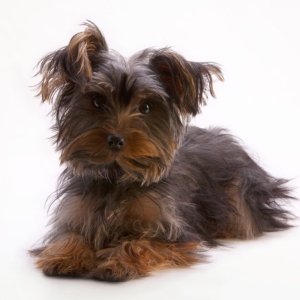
{"x":112,"y":172}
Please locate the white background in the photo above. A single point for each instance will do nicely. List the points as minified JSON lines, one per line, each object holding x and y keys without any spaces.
{"x":257,"y":44}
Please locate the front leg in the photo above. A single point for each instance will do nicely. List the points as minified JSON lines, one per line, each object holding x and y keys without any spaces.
{"x":137,"y":258}
{"x":69,"y":256}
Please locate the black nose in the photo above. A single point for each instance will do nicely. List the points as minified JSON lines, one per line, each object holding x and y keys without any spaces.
{"x":115,"y":141}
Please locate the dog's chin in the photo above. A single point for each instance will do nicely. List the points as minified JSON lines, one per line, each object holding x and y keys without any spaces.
{"x":112,"y":172}
{"x":144,"y":176}
{"x":121,"y":171}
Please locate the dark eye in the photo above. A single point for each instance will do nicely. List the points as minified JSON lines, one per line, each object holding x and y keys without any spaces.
{"x":145,"y":108}
{"x":98,"y":100}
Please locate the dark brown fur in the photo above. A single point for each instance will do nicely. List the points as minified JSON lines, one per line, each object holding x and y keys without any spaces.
{"x":142,"y":190}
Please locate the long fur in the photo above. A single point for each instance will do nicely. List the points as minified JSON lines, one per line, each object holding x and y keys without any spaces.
{"x":158,"y":192}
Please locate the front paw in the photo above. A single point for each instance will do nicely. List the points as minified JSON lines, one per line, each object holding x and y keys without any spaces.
{"x":134,"y":259}
{"x":62,"y":266}
{"x":119,"y":263}
{"x":67,"y":257}
{"x":114,"y":271}
{"x":112,"y":274}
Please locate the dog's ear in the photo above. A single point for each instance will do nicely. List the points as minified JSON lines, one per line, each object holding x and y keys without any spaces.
{"x":186,"y":82}
{"x":71,"y":65}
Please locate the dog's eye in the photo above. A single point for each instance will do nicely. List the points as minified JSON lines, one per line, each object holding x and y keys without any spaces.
{"x":145,"y":108}
{"x":98,"y":100}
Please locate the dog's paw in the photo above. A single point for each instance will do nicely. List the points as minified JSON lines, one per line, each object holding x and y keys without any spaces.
{"x":62,"y":266}
{"x":113,"y":271}
{"x":69,"y":256}
{"x":138,"y":258}
{"x":120,"y":263}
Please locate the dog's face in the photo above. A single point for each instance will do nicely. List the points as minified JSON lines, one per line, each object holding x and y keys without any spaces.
{"x":121,"y":119}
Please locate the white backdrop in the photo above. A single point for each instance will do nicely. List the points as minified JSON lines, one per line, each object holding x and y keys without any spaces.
{"x":257,"y":44}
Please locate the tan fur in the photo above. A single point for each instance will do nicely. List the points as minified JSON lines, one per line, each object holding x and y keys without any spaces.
{"x":141,"y":190}
{"x":241,"y":223}
{"x":67,"y":256}
{"x":133,"y":259}
{"x":77,"y":254}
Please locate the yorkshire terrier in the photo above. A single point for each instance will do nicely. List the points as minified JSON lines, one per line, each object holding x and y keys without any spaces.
{"x":142,"y":190}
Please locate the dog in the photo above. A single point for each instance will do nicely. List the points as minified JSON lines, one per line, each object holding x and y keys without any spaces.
{"x":142,"y":190}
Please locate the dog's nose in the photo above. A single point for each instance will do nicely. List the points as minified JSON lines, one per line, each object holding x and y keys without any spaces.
{"x":115,"y":141}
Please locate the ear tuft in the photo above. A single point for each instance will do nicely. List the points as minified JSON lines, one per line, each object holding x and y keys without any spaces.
{"x":82,"y":47}
{"x":186,"y":82}
{"x":73,"y":64}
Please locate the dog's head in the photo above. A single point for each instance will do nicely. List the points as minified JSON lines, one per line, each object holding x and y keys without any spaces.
{"x":121,"y":119}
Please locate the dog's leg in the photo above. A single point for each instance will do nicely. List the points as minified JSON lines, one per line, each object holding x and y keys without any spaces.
{"x":133,"y":253}
{"x":69,"y":255}
{"x":136,"y":258}
{"x":257,"y":199}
